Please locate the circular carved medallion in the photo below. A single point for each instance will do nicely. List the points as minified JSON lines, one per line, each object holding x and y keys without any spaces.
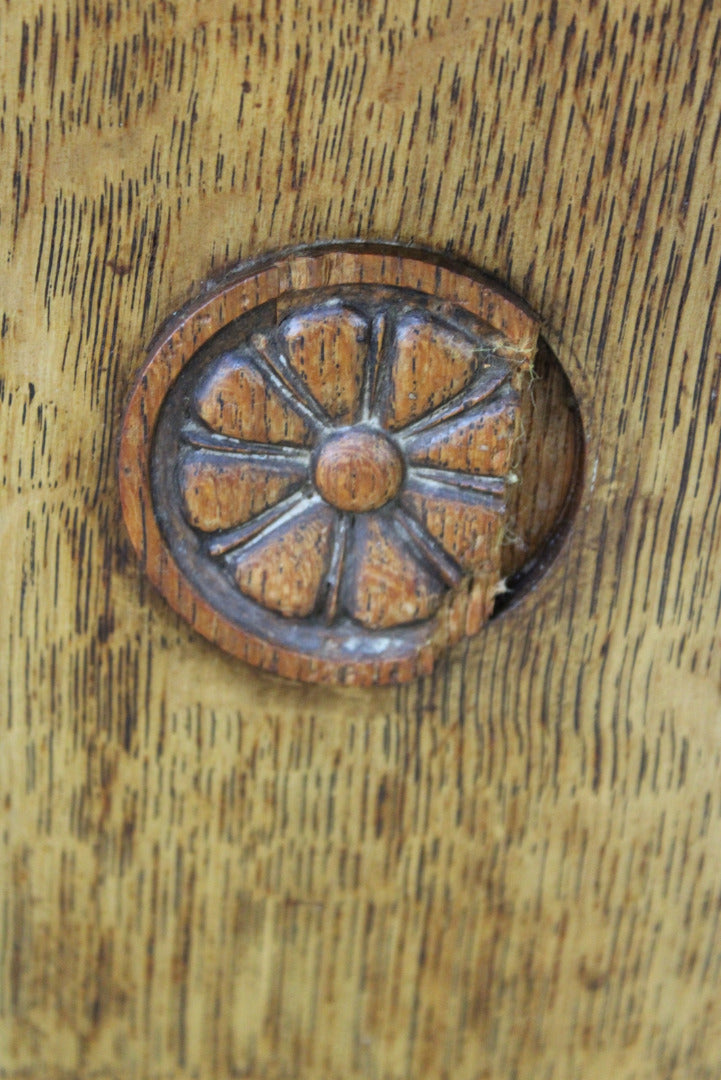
{"x":316,"y":460}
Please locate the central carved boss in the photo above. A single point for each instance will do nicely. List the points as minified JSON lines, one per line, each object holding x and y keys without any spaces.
{"x":358,"y":470}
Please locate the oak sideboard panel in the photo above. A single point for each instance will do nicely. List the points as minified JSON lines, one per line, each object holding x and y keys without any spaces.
{"x":506,"y":868}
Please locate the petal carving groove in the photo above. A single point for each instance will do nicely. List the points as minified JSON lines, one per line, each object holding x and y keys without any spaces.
{"x":236,"y":399}
{"x":285,"y":568}
{"x":467,"y":525}
{"x":433,"y":362}
{"x":390,"y":585}
{"x":219,"y":492}
{"x":479,"y":441}
{"x":328,"y":348}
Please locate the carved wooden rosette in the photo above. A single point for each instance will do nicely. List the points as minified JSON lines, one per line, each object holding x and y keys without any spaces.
{"x":315,"y":461}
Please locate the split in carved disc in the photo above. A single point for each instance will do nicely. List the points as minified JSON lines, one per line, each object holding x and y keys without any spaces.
{"x":322,"y":481}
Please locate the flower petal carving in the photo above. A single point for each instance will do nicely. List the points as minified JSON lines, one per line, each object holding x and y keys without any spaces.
{"x":220,"y":491}
{"x":479,"y":441}
{"x":433,"y":362}
{"x":328,"y":346}
{"x":445,"y":395}
{"x":391,"y":584}
{"x":285,"y":568}
{"x":468,"y":525}
{"x":237,"y":399}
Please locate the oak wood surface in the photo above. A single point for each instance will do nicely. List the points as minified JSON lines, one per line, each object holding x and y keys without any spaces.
{"x":510,"y":868}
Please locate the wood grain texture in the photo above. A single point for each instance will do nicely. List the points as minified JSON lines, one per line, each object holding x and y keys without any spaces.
{"x":509,"y":869}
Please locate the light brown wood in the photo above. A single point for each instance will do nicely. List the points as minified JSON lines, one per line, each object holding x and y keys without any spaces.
{"x":511,"y":867}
